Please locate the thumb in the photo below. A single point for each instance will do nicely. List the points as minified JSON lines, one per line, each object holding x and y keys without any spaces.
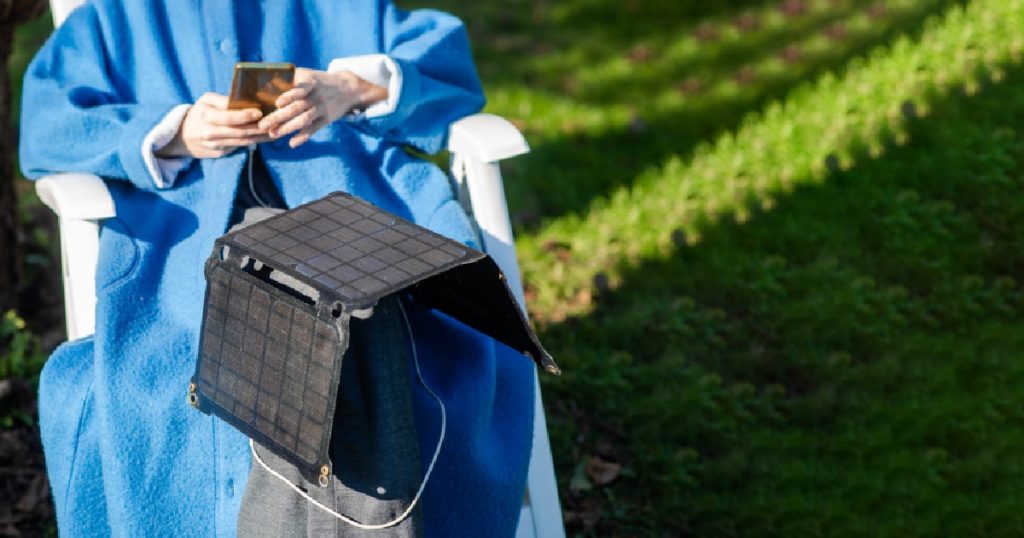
{"x":214,"y":100}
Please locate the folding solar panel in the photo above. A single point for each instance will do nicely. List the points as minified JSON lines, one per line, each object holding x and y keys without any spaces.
{"x":280,"y":294}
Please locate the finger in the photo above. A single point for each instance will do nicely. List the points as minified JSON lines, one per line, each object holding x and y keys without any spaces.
{"x":221,"y":132}
{"x":300,"y":91}
{"x":306,"y":133}
{"x":214,"y":100}
{"x":215,"y":116}
{"x":231,"y":144}
{"x":301,"y":121}
{"x":214,"y":133}
{"x":285,"y":114}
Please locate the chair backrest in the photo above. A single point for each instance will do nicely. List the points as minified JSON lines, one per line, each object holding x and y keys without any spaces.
{"x":60,"y":9}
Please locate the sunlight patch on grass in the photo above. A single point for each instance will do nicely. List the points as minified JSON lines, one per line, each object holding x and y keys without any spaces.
{"x":826,"y":125}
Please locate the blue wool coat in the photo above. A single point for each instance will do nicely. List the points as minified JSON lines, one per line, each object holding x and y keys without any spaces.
{"x":125,"y":453}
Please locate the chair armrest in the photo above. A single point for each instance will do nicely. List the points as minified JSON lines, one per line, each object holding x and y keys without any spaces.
{"x":80,"y":202}
{"x":477,"y":143}
{"x":76,"y":196}
{"x":486,"y":138}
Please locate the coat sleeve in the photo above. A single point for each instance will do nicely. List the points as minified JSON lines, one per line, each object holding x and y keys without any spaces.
{"x":78,"y":114}
{"x":439,"y":81}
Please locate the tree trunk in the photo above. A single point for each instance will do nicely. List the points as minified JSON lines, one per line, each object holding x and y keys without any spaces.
{"x":12,"y":13}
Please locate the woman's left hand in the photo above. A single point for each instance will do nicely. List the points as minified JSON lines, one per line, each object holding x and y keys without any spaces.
{"x":316,"y":99}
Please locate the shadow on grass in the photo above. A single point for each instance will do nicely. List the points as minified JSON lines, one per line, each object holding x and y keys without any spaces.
{"x":843,"y":364}
{"x":666,"y":102}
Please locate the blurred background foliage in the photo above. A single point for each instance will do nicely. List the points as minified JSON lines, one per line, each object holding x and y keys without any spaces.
{"x":776,"y":247}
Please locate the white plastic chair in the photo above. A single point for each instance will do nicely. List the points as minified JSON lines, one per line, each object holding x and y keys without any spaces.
{"x":477,"y":143}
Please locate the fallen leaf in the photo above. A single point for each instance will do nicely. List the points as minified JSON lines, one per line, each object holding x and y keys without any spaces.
{"x":836,"y":32}
{"x":746,"y":22}
{"x":746,"y":75}
{"x":793,"y":8}
{"x":552,"y":245}
{"x":600,"y":471}
{"x":877,"y":10}
{"x":529,"y":293}
{"x":640,"y":54}
{"x":584,"y":297}
{"x":792,"y":54}
{"x":706,"y":32}
{"x":690,"y":86}
{"x":572,"y":126}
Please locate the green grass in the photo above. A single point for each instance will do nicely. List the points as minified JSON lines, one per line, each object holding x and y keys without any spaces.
{"x":602,"y":102}
{"x":778,"y":254}
{"x":794,"y":373}
{"x":20,"y":357}
{"x":812,"y":319}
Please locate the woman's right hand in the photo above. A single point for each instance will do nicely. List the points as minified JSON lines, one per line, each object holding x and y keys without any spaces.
{"x":209,"y":130}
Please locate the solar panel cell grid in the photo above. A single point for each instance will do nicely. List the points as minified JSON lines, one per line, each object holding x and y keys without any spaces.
{"x":269,"y":361}
{"x":335,"y":242}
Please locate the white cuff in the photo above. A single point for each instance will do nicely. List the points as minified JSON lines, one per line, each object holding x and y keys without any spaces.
{"x":164,"y":170}
{"x":378,"y":69}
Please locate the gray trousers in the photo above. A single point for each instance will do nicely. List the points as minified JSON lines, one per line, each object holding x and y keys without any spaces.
{"x":374,"y":448}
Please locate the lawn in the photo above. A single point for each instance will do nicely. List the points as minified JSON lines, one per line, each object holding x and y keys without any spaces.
{"x":777,"y":249}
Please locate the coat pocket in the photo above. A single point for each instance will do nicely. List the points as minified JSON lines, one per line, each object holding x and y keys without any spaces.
{"x":119,"y":254}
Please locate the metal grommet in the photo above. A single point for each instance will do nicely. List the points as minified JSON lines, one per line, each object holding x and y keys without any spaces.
{"x":325,"y":471}
{"x":193,"y":399}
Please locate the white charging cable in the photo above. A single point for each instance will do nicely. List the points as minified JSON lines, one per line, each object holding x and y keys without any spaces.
{"x":430,"y":468}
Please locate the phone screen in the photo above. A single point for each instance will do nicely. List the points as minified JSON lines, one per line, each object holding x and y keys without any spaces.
{"x":258,"y":85}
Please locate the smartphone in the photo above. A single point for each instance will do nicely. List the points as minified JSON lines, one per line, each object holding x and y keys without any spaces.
{"x":258,"y":85}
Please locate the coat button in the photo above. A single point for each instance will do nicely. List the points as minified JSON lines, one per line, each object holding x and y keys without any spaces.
{"x":224,"y":46}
